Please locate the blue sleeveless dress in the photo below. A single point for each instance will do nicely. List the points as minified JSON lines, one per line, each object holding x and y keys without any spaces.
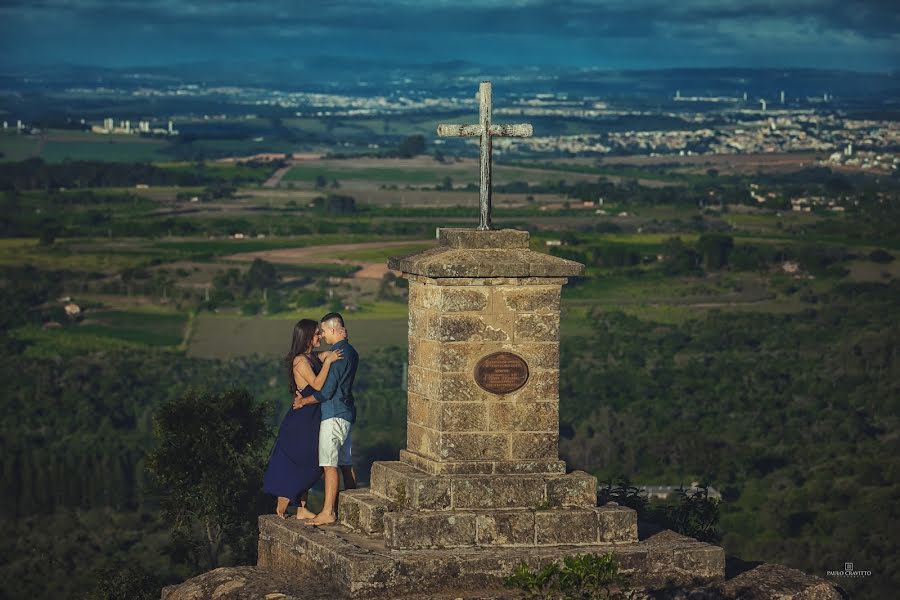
{"x":294,"y":461}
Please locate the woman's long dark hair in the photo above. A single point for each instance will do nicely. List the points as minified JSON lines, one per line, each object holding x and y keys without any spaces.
{"x":304,"y":331}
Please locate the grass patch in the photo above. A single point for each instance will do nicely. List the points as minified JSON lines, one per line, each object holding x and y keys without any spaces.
{"x":229,"y":171}
{"x":380,"y":255}
{"x":369,"y":311}
{"x":191,"y":247}
{"x":17,"y":147}
{"x":216,"y":336}
{"x":61,"y":256}
{"x":102,"y":149}
{"x":63,"y":341}
{"x":382,"y":174}
{"x":145,"y":328}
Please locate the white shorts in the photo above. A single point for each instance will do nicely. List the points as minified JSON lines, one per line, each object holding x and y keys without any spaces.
{"x":334,"y":443}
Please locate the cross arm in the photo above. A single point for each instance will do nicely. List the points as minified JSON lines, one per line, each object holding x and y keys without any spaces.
{"x":454,"y":130}
{"x":517,"y":130}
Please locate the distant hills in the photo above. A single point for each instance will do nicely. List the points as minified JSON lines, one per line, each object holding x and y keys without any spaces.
{"x":331,"y":73}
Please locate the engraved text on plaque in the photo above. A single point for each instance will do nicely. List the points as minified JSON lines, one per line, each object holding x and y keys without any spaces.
{"x":501,"y":372}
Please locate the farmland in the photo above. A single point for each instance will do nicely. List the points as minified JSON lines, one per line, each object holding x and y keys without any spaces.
{"x":700,"y":307}
{"x":228,"y":337}
{"x":57,"y":146}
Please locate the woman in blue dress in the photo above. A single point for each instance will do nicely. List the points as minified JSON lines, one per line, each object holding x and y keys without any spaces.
{"x":294,"y":461}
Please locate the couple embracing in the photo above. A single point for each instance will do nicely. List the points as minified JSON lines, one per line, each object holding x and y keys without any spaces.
{"x":315,"y":434}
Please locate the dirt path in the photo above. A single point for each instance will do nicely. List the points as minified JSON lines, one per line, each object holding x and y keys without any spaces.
{"x":326,"y":254}
{"x":275,"y":179}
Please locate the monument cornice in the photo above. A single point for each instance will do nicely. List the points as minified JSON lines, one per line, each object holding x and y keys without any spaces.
{"x":474,"y":253}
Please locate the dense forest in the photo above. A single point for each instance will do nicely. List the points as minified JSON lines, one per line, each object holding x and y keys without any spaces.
{"x":793,"y":417}
{"x":76,"y":431}
{"x":35,"y":174}
{"x":786,"y":403}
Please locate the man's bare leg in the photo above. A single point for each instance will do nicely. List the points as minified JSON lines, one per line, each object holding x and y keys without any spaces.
{"x":331,"y":488}
{"x":349,"y":476}
{"x":281,"y":506}
{"x":303,"y":512}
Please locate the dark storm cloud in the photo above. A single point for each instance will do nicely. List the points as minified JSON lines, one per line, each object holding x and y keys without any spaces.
{"x":872,"y":17}
{"x":714,"y":31}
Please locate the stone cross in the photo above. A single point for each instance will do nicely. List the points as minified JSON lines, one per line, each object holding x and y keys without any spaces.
{"x":486,"y":130}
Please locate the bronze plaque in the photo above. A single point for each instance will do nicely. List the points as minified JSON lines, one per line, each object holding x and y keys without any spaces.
{"x":501,"y":372}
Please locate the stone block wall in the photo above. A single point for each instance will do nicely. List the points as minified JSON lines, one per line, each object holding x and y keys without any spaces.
{"x":454,"y":323}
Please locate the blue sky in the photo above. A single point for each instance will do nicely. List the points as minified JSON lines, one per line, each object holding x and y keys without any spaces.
{"x":614,"y":34}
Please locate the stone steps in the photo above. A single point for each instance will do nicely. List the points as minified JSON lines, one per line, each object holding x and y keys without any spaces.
{"x":360,"y":510}
{"x":412,"y":530}
{"x":361,"y":566}
{"x":411,"y":488}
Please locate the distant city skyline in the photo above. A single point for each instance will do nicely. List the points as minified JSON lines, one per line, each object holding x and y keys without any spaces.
{"x":614,"y":34}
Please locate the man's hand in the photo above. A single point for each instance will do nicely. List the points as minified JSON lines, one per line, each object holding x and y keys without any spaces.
{"x":300,"y":402}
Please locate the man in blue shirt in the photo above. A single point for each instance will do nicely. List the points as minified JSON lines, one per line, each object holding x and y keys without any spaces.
{"x":338,"y":416}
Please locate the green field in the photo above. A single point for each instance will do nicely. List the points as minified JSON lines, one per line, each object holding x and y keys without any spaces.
{"x":57,"y":146}
{"x":419,"y":173}
{"x":15,"y":147}
{"x":149,"y":328}
{"x":108,"y":150}
{"x":380,"y":255}
{"x":227,"y":337}
{"x":309,"y":172}
{"x":112,"y":330}
{"x":60,"y":256}
{"x":231,"y":246}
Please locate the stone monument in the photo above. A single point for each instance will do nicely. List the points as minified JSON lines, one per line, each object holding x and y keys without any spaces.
{"x":480,"y":486}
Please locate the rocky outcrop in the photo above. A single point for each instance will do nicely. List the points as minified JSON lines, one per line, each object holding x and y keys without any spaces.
{"x":243,"y":583}
{"x":762,"y":582}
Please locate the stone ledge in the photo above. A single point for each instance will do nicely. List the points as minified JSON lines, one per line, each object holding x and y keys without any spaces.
{"x":485,"y":281}
{"x":363,"y":511}
{"x":482,"y":467}
{"x":474,"y":238}
{"x":409,"y":487}
{"x":412,"y":530}
{"x":445,"y":261}
{"x":361,"y":566}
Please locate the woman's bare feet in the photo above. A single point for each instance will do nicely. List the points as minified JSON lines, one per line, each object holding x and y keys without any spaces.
{"x":322,"y":519}
{"x":305,"y":513}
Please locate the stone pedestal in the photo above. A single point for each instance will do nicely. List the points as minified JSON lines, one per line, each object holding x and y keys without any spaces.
{"x":480,"y":486}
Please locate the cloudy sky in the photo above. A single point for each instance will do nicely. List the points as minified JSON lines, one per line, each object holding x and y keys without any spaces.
{"x":616,"y":34}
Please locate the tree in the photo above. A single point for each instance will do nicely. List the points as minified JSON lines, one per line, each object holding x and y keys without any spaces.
{"x":321,"y":181}
{"x":880,"y":255}
{"x":679,"y":259}
{"x":335,"y":204}
{"x":49,"y":232}
{"x":261,"y":275}
{"x":125,"y":581}
{"x":414,"y":145}
{"x":209,"y":464}
{"x":714,"y":249}
{"x":218,"y":191}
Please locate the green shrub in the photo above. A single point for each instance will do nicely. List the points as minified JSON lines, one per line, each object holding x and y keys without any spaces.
{"x":695,"y":515}
{"x":580,"y":577}
{"x":125,"y":582}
